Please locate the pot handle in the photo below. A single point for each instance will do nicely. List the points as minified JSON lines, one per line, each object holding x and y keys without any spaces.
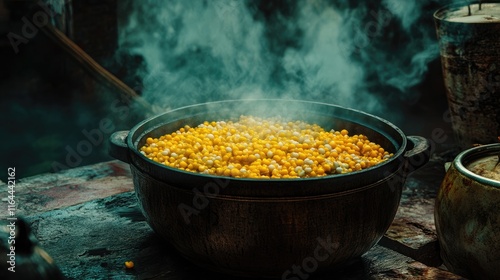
{"x":420,"y":153}
{"x":118,"y":146}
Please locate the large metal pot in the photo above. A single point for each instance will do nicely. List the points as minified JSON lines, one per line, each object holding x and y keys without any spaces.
{"x":264,"y":227}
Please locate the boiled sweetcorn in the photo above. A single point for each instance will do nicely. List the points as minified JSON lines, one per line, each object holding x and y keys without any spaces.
{"x":254,"y":147}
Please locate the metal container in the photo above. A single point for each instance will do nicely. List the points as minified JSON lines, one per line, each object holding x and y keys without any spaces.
{"x":263,"y":227}
{"x":470,"y":56}
{"x":467,"y":216}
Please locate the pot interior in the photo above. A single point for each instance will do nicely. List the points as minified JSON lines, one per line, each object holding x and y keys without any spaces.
{"x":327,"y":116}
{"x":470,"y":157}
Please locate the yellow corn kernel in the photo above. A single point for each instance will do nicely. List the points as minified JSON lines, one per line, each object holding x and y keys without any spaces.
{"x":320,"y":171}
{"x":235,"y":172}
{"x":129,"y":264}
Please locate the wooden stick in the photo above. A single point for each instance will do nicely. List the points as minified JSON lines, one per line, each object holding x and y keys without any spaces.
{"x":94,"y":68}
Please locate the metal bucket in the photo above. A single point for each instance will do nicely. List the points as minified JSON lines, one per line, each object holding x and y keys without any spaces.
{"x":470,"y":56}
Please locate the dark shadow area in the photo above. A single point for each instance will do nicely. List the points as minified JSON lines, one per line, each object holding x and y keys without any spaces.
{"x":58,"y":116}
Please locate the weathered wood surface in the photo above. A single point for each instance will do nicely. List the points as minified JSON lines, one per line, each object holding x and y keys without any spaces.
{"x":87,"y":219}
{"x":50,"y":191}
{"x":93,"y":240}
{"x":412,"y":232}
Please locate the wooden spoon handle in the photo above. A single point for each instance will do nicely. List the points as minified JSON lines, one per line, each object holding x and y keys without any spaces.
{"x":94,"y":68}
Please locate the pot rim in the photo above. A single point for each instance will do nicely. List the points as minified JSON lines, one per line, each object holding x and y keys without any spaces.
{"x":469,"y":155}
{"x":441,"y":13}
{"x":397,"y":154}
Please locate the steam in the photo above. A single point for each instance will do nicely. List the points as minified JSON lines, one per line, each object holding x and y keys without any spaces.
{"x":420,"y":43}
{"x":199,"y":51}
{"x":324,"y":71}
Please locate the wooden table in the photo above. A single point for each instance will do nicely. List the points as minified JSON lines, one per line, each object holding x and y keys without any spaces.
{"x":88,"y":220}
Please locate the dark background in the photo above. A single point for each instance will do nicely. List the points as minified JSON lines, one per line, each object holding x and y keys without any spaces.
{"x":48,"y":100}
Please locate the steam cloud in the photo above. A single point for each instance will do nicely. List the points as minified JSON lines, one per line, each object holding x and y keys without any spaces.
{"x":355,"y":55}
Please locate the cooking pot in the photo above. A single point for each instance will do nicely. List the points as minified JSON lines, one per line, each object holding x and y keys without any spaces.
{"x":467,"y":217}
{"x":271,"y":227}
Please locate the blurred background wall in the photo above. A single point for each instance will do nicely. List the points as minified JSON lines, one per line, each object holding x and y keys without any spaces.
{"x":377,"y":56}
